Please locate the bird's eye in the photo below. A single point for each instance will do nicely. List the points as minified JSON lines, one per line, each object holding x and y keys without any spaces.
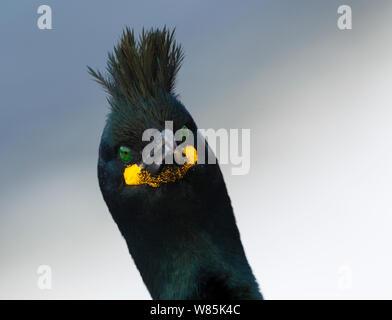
{"x":185,"y":132}
{"x":125,"y":154}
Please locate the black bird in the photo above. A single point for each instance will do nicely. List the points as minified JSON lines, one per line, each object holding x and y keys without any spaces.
{"x":177,"y":220}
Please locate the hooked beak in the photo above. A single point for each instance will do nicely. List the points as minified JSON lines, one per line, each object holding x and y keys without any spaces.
{"x":165,"y":149}
{"x":153,"y":173}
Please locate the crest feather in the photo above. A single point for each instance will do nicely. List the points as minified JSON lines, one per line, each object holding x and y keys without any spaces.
{"x":141,"y":68}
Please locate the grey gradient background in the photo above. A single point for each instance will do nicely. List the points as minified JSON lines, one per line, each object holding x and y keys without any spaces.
{"x":318,"y":102}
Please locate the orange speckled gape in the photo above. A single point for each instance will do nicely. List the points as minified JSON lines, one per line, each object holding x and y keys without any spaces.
{"x":135,"y":175}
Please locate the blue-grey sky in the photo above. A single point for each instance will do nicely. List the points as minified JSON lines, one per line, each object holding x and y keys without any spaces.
{"x":316,"y":202}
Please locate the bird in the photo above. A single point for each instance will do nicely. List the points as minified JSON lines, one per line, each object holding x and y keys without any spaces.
{"x":177,"y":220}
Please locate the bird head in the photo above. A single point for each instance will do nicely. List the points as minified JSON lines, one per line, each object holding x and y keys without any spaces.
{"x":140,"y":81}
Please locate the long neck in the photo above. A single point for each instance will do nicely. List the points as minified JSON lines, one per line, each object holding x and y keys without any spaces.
{"x":190,"y":253}
{"x":185,"y":241}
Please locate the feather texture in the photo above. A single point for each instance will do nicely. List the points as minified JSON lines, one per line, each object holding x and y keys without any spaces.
{"x":141,"y":68}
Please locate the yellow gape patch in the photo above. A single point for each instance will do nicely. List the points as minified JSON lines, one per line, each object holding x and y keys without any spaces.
{"x":134,"y":175}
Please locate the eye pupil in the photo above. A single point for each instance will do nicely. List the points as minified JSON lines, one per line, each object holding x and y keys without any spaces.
{"x":185,"y":130}
{"x":125,"y":154}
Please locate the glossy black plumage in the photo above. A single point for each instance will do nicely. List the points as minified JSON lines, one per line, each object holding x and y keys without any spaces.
{"x":182,"y":235}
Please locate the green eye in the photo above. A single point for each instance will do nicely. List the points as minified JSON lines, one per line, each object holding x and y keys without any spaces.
{"x":185,"y":133}
{"x":125,"y":154}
